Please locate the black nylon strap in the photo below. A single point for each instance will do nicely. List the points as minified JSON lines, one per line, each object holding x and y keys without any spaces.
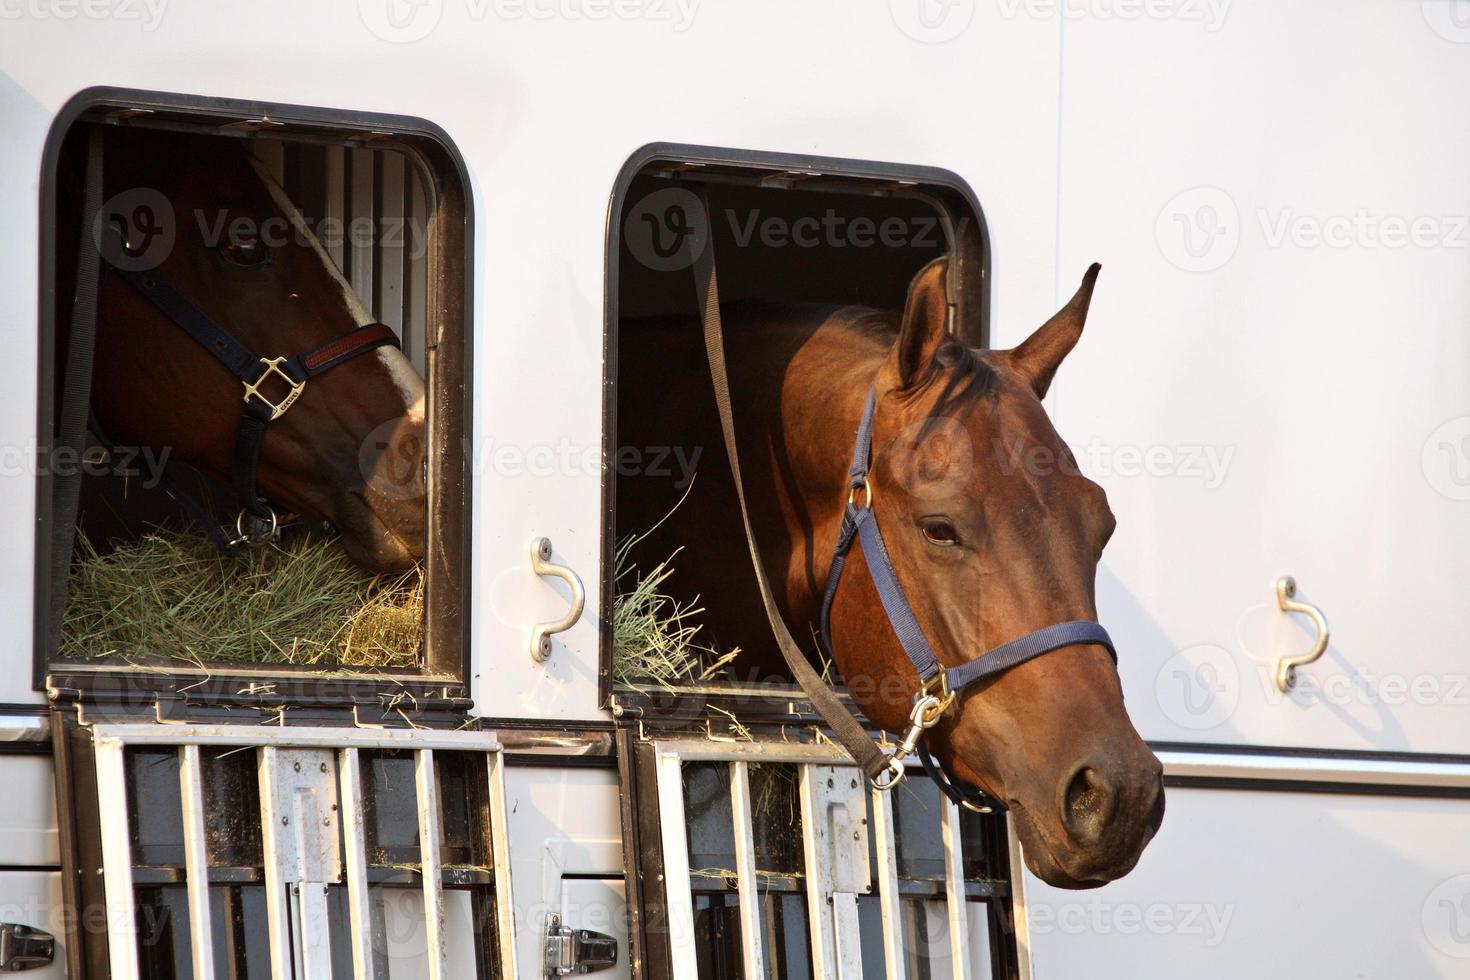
{"x":76,"y":396}
{"x":849,"y":732}
{"x":235,"y":356}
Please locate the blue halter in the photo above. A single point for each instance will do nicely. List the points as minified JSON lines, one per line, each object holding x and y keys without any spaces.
{"x":938,"y":686}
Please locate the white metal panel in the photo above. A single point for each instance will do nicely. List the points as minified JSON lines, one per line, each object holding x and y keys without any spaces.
{"x":28,"y":834}
{"x":1297,"y":365}
{"x":1275,"y":885}
{"x":599,"y":904}
{"x":34,"y":898}
{"x":196,"y":860}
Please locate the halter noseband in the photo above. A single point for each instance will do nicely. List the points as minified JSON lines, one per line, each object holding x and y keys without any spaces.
{"x":255,"y":373}
{"x":938,"y":686}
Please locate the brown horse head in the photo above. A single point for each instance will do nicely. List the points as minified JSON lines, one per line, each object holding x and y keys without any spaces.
{"x":350,"y":450}
{"x":994,"y":533}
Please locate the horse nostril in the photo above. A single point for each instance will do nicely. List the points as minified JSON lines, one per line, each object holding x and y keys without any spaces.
{"x":1086,"y":805}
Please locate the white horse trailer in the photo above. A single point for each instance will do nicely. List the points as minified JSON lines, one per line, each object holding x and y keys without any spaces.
{"x":1275,"y":384}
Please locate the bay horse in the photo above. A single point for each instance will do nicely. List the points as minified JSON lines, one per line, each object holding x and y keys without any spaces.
{"x":989,"y":525}
{"x":199,"y":213}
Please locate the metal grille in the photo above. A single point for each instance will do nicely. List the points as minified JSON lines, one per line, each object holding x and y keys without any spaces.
{"x":898,"y":885}
{"x":332,"y":850}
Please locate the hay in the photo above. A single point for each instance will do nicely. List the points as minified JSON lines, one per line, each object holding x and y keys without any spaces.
{"x":172,"y":596}
{"x":654,"y":635}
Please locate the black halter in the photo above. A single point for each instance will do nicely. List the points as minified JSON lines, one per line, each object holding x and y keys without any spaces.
{"x":285,"y":376}
{"x":938,"y":687}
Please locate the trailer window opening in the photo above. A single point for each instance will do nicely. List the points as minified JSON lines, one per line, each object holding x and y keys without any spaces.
{"x":285,"y":232}
{"x":786,"y":232}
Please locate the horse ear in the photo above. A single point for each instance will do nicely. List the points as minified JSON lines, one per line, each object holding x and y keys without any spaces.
{"x":925,"y":323}
{"x":1039,"y":355}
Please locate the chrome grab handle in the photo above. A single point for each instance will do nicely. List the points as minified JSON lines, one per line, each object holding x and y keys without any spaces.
{"x":541,"y":632}
{"x":1286,"y":599}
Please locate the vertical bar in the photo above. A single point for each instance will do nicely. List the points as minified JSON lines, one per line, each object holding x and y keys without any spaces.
{"x":117,"y":859}
{"x":505,"y":939}
{"x":429,"y":866}
{"x":889,"y":904}
{"x":1018,"y":902}
{"x":954,"y":891}
{"x":196,"y":862}
{"x":745,"y":871}
{"x":359,"y":904}
{"x":389,"y":249}
{"x":277,"y":914}
{"x":818,"y":876}
{"x":416,"y":278}
{"x":679,"y":900}
{"x":333,"y":230}
{"x":362,"y":228}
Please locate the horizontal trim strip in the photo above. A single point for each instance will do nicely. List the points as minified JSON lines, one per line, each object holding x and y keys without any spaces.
{"x":1257,"y":767}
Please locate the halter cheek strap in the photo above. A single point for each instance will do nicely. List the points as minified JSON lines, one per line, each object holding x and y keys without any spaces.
{"x":271,"y":384}
{"x":938,"y":687}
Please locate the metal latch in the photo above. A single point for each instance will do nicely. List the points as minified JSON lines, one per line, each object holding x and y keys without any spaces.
{"x":24,"y":948}
{"x":571,"y":950}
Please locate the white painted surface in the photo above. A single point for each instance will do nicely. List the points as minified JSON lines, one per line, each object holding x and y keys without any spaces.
{"x":1273,"y":885}
{"x":1319,"y":376}
{"x":33,"y":898}
{"x":28,"y":834}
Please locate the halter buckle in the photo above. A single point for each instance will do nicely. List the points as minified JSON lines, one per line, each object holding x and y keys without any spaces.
{"x":938,"y":703}
{"x":273,"y":366}
{"x":867,"y":489}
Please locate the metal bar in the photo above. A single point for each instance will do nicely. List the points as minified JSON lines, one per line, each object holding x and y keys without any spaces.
{"x":429,"y":863}
{"x":25,"y":728}
{"x":333,"y":231}
{"x":359,"y":902}
{"x":889,"y":904}
{"x":817,"y":845}
{"x":300,"y":737}
{"x":500,"y":854}
{"x":416,"y":280}
{"x":277,"y":912}
{"x":117,"y":858}
{"x":196,"y":862}
{"x":315,"y":946}
{"x":954,"y":891}
{"x":745,"y":870}
{"x":1018,"y":902}
{"x":678,"y":899}
{"x":703,"y":750}
{"x":362,"y":228}
{"x":847,"y":936}
{"x":389,"y":249}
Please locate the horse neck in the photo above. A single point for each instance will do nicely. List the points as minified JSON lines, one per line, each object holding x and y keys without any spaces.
{"x":822,"y":402}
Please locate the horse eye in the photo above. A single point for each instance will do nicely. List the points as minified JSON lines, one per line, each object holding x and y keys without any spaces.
{"x":940,"y":532}
{"x":246,"y":253}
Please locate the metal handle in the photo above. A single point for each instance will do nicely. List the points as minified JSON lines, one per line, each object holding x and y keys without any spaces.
{"x":1286,"y":599}
{"x":541,"y":632}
